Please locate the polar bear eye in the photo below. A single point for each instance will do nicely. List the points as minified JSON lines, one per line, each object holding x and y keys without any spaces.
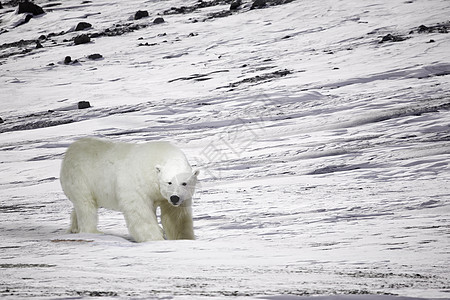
{"x":184,"y":183}
{"x":169,"y":183}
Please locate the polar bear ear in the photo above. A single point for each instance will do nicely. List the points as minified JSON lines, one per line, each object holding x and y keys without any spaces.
{"x":196,"y":172}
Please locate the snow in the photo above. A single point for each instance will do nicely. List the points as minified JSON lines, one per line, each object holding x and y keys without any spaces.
{"x":324,"y":153}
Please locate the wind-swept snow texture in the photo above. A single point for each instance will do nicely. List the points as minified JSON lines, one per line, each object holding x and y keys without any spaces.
{"x":322,"y":129}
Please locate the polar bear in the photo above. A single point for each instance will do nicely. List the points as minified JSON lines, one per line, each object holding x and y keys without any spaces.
{"x":134,"y":179}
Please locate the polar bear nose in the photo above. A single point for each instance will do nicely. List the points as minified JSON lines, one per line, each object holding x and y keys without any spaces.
{"x":174,"y":199}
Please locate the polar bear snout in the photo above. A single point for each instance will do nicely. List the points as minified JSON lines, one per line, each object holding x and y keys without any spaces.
{"x":176,"y":187}
{"x":175,"y":200}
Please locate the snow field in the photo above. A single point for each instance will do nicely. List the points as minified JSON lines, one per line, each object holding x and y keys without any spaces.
{"x":324,"y":153}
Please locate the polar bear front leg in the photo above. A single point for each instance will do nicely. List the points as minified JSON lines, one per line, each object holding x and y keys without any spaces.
{"x":142,"y":224}
{"x":177,"y":222}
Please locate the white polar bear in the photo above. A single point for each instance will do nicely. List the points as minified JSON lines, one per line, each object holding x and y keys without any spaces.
{"x":134,"y":179}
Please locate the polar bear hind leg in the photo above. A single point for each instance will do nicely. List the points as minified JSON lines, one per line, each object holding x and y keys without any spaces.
{"x":84,"y":218}
{"x":73,"y":222}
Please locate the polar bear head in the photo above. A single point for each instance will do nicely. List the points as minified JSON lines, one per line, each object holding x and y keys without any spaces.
{"x":177,"y":188}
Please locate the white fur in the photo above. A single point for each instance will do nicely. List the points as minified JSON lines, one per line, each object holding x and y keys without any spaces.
{"x":133,"y":179}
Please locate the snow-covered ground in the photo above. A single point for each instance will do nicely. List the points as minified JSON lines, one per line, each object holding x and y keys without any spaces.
{"x":324,"y":151}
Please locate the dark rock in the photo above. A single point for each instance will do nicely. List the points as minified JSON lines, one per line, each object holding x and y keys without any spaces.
{"x":199,"y":77}
{"x":440,"y":28}
{"x":235,"y":4}
{"x":83,"y":26}
{"x":443,"y":29}
{"x":1,"y":120}
{"x":37,"y":124}
{"x":388,"y":37}
{"x":30,"y":7}
{"x":198,"y":5}
{"x":279,"y":2}
{"x":95,"y":56}
{"x":259,"y":78}
{"x":158,"y":20}
{"x":431,"y":41}
{"x":82,"y":39}
{"x":179,"y":10}
{"x":83,"y":104}
{"x":39,"y":45}
{"x":147,"y":44}
{"x":175,"y":55}
{"x":118,"y":29}
{"x":259,"y":4}
{"x":19,"y":44}
{"x":67,"y":60}
{"x":423,"y":28}
{"x":392,"y":38}
{"x":219,"y":14}
{"x":1,"y":6}
{"x":140,"y":14}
